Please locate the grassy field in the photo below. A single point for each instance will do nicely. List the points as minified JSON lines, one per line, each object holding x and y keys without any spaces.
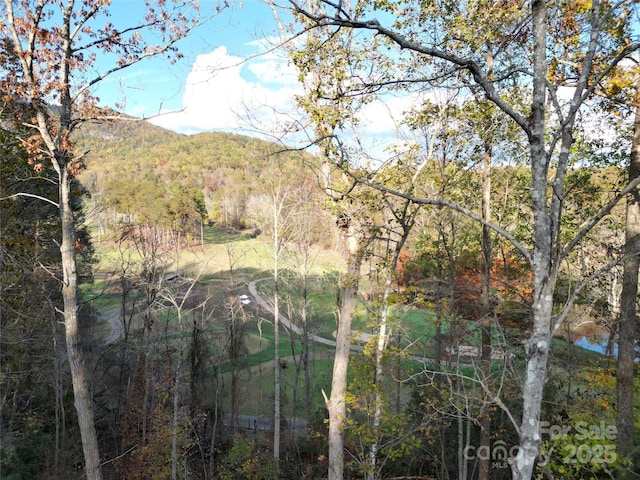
{"x":223,"y":266}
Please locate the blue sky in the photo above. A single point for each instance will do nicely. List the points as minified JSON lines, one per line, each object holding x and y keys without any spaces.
{"x":230,"y":80}
{"x":220,"y":84}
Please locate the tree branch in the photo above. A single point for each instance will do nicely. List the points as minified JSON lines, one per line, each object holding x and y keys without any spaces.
{"x":445,"y":203}
{"x":467,"y":64}
{"x":32,"y":195}
{"x":604,"y":211}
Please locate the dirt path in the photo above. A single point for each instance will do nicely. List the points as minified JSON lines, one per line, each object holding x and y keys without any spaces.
{"x":316,"y":338}
{"x":115,"y":331}
{"x":285,"y":321}
{"x":462,"y":350}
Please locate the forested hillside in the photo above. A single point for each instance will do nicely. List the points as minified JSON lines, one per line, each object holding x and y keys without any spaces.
{"x":230,"y":171}
{"x":141,"y":149}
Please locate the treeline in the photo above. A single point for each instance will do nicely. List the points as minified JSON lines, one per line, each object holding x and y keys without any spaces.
{"x":209,"y":177}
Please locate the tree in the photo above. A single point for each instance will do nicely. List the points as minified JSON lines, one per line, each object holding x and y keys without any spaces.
{"x":520,"y":57}
{"x":396,"y":224}
{"x":628,"y":302}
{"x":279,"y":197}
{"x":183,"y":303}
{"x":34,"y":381}
{"x":55,"y":46}
{"x":309,"y":220}
{"x":278,"y":221}
{"x":355,"y":241}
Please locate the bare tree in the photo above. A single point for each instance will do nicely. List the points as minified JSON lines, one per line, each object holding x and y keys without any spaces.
{"x":308,"y":231}
{"x":55,"y":45}
{"x":276,"y":216}
{"x":180,"y":299}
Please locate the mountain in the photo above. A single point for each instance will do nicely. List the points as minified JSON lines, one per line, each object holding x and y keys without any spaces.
{"x":226,"y":167}
{"x":140,"y":149}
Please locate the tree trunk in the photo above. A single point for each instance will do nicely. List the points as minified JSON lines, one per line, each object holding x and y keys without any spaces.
{"x":380,"y":348}
{"x":463,"y":424}
{"x":150,"y":278}
{"x":276,"y":369}
{"x":305,"y":350}
{"x":174,"y":426}
{"x":60,"y":419}
{"x":538,"y":345}
{"x":485,"y":336}
{"x":628,"y":299}
{"x":336,"y":404}
{"x":382,"y":342}
{"x":277,"y":247}
{"x":80,"y":375}
{"x":236,"y":330}
{"x":214,"y":423}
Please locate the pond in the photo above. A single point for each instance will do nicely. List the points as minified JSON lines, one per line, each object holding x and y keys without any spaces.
{"x":600,"y":343}
{"x":596,"y":343}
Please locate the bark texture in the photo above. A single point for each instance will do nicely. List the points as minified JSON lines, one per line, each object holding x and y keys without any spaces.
{"x":538,"y":344}
{"x":336,"y":404}
{"x":80,"y":375}
{"x":487,"y":314}
{"x":629,"y":296}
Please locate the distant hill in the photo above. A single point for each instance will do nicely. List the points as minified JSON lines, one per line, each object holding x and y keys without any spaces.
{"x":139,"y":148}
{"x":227,"y":168}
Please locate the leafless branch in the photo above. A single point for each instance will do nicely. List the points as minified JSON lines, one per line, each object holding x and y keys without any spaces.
{"x":32,"y":195}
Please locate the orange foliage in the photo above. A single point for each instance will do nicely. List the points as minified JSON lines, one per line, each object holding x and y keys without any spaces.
{"x":510,"y":282}
{"x":401,"y":275}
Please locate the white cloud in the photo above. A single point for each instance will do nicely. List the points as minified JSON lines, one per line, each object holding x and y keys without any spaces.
{"x":385,"y":117}
{"x":230,"y":93}
{"x":254,"y":96}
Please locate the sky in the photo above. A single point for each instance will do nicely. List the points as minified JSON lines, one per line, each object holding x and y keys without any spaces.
{"x":229,"y":79}
{"x":225,"y":76}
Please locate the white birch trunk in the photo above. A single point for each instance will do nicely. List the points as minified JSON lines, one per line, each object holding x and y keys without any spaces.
{"x":628,"y":299}
{"x":336,"y":404}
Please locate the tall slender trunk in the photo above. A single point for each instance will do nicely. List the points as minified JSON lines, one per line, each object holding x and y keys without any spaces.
{"x":150,"y":278}
{"x":214,"y":425}
{"x":463,"y":424}
{"x":276,"y":332}
{"x":336,"y":404}
{"x":147,"y":372}
{"x":276,"y":367}
{"x":60,"y":419}
{"x":380,"y":348}
{"x":174,"y":427}
{"x":234,"y":358}
{"x":485,"y":324}
{"x":80,"y":375}
{"x":628,"y":299}
{"x":382,"y":342}
{"x":538,"y":345}
{"x":305,"y":350}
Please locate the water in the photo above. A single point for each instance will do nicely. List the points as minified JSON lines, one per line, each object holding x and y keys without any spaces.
{"x":596,"y":343}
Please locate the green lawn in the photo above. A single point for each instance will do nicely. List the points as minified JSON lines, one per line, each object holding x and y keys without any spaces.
{"x":224,"y":265}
